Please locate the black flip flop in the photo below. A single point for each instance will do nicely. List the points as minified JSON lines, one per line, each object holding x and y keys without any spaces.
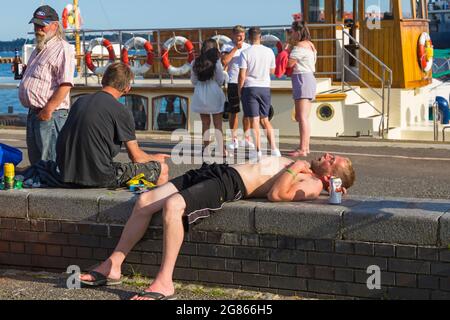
{"x":100,"y":281}
{"x":156,"y":296}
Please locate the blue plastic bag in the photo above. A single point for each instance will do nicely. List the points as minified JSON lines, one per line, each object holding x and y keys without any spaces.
{"x":9,"y":154}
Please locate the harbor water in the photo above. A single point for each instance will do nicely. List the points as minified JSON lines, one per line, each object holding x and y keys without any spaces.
{"x":9,"y":97}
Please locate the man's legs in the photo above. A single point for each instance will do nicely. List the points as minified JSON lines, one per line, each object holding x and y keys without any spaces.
{"x":147,"y":205}
{"x":269,"y":132}
{"x":42,"y":136}
{"x":174,"y":209}
{"x":254,"y":126}
{"x":34,"y":153}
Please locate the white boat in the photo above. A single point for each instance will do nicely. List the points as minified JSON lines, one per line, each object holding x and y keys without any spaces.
{"x":370,"y":79}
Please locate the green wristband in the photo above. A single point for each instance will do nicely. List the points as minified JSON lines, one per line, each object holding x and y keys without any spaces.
{"x":292,"y":173}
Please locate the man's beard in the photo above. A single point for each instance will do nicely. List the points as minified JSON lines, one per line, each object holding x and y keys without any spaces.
{"x":317,"y":168}
{"x":41,"y":40}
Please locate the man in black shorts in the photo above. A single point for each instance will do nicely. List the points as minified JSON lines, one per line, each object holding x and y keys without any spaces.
{"x":231,"y":54}
{"x":92,"y":137}
{"x":194,"y":196}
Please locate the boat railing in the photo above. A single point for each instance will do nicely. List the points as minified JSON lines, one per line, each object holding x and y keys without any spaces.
{"x":385,"y":79}
{"x":340,"y":52}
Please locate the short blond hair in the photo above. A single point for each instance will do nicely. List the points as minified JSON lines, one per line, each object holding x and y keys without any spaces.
{"x":239,"y":29}
{"x":346,"y":173}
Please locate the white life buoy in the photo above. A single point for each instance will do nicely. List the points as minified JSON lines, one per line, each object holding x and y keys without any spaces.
{"x":139,"y":43}
{"x":221,"y":39}
{"x":425,"y":52}
{"x":88,"y":57}
{"x":271,"y":39}
{"x":189,"y":47}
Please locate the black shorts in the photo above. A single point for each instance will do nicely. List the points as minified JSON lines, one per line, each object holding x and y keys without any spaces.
{"x":127,"y":171}
{"x":233,"y":98}
{"x":206,"y":190}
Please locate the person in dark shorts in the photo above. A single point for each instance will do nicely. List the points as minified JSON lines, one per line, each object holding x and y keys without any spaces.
{"x":194,"y":196}
{"x":257,"y":64}
{"x":231,"y":54}
{"x":97,"y":126}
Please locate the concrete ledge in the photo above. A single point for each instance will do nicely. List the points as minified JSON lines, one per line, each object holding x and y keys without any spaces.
{"x":401,"y":221}
{"x":317,"y":220}
{"x":445,"y":229}
{"x":396,"y":221}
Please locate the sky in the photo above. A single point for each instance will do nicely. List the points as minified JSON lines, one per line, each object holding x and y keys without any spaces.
{"x":152,"y":14}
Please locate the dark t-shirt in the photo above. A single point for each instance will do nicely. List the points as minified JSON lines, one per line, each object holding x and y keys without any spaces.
{"x":92,"y":136}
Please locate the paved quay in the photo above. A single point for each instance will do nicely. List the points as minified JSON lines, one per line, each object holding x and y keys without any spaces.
{"x":27,"y":285}
{"x":384,"y":168}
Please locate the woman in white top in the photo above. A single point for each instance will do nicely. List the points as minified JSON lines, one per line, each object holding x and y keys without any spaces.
{"x":303,"y":60}
{"x":208,"y":78}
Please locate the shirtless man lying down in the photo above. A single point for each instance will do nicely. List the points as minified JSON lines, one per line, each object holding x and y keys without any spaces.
{"x":195,"y":195}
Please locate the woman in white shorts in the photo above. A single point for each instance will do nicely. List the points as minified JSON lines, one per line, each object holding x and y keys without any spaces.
{"x":208,"y":78}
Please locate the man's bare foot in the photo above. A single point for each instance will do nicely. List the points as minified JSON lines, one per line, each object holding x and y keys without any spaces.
{"x":158,"y":287}
{"x":107,"y":269}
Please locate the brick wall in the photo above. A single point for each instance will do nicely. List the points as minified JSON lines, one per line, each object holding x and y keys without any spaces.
{"x":278,"y":264}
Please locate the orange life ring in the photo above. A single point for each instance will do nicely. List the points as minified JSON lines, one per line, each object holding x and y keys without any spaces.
{"x":425,"y":52}
{"x":65,"y":17}
{"x":88,"y":57}
{"x":189,"y":47}
{"x":138,"y":43}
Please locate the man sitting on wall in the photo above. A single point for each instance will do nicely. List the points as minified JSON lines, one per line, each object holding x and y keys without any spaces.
{"x":92,"y":137}
{"x":193,"y":196}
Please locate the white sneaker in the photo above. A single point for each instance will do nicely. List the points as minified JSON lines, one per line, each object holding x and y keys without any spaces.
{"x":256,"y":155}
{"x":250,"y":145}
{"x":260,"y":156}
{"x":234,"y":145}
{"x":276,"y":153}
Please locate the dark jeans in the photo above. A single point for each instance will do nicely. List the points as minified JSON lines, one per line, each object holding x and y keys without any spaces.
{"x":42,"y":135}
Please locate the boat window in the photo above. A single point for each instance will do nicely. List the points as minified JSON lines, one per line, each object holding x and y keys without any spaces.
{"x":407,"y":12}
{"x":419,"y":9}
{"x":349,"y":11}
{"x":170,"y":113}
{"x":316,"y":11}
{"x":379,"y":9}
{"x":138,"y":105}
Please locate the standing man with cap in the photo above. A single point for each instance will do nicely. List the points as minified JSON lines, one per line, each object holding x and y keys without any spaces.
{"x":46,"y":85}
{"x":256,"y":66}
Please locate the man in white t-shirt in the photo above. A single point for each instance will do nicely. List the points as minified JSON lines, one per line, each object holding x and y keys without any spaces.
{"x":257,"y":64}
{"x":231,"y":53}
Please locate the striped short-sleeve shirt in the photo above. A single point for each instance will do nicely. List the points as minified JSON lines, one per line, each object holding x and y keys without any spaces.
{"x":46,"y":72}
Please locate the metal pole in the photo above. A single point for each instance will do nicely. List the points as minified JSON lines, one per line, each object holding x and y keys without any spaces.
{"x":435,"y":122}
{"x":85,"y":67}
{"x":383,"y":110}
{"x":77,"y":36}
{"x":389,"y":103}
{"x":159,"y":51}
{"x":343,"y":59}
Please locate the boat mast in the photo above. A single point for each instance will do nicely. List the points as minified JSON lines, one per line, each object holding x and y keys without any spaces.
{"x":77,"y":35}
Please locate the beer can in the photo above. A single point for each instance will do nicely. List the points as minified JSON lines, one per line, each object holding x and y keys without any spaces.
{"x":8,"y":176}
{"x":335,"y":191}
